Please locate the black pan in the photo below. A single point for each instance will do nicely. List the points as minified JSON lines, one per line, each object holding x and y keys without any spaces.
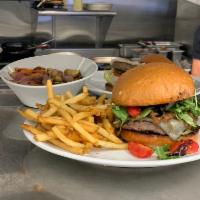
{"x":18,"y":50}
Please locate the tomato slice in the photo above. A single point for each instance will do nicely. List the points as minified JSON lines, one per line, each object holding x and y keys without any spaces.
{"x":139,"y":150}
{"x":134,"y":111}
{"x":184,"y":147}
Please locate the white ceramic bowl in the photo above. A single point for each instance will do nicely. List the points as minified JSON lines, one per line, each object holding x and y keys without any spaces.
{"x":30,"y":95}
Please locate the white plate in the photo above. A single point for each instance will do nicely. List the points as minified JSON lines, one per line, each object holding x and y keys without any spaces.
{"x":98,"y":6}
{"x":97,"y":83}
{"x":114,"y":158}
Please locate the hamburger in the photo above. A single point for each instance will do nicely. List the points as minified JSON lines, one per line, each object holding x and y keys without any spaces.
{"x":155,"y":105}
{"x":121,"y":65}
{"x":152,"y":58}
{"x":118,"y":67}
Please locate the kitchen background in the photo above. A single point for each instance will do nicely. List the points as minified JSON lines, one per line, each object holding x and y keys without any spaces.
{"x":135,"y":20}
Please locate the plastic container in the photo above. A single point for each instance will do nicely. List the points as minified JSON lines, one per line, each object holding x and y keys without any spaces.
{"x":77,"y":5}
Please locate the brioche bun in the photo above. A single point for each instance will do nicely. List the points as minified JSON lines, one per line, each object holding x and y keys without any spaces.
{"x":153,"y":84}
{"x":151,"y":58}
{"x":153,"y":140}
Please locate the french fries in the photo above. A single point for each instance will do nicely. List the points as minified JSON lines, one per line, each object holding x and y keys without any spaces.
{"x":101,"y":99}
{"x":69,"y":95}
{"x":50,"y":89}
{"x":60,"y":144}
{"x":77,"y":98}
{"x":107,"y":125}
{"x":52,"y":120}
{"x":64,"y":138}
{"x":87,"y":101}
{"x":43,"y":137}
{"x":109,"y":136}
{"x":81,"y":115}
{"x":76,"y":124}
{"x":85,"y":134}
{"x":29,"y":114}
{"x":63,"y":106}
{"x":52,"y":110}
{"x":31,"y":129}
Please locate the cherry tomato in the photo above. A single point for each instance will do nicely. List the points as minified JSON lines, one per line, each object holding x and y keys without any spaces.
{"x":184,"y":147}
{"x":139,"y":150}
{"x":134,"y":111}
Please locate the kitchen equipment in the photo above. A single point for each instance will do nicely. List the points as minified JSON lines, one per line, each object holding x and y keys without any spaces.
{"x":126,"y":50}
{"x":163,"y":51}
{"x":30,"y":95}
{"x":48,"y":4}
{"x":41,"y":2}
{"x":18,"y":50}
{"x":172,"y":50}
{"x":177,"y":54}
{"x":98,"y":6}
{"x":159,"y":44}
{"x":140,"y":52}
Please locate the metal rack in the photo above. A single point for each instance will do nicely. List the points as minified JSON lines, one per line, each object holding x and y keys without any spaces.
{"x":103,"y":21}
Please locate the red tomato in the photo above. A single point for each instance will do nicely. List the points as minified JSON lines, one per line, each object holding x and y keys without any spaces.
{"x":134,"y":111}
{"x":184,"y":147}
{"x":139,"y":150}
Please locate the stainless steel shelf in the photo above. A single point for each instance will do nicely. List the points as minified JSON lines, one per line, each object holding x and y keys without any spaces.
{"x":72,"y":13}
{"x":103,"y":21}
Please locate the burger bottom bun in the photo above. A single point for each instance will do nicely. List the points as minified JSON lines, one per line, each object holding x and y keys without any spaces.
{"x":153,"y":140}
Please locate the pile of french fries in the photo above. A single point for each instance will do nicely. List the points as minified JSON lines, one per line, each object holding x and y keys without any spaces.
{"x":74,"y":123}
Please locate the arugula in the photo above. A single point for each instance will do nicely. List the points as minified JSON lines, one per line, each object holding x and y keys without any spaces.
{"x":162,"y":152}
{"x":120,"y":113}
{"x":144,"y":113}
{"x":187,"y":118}
{"x":182,"y":108}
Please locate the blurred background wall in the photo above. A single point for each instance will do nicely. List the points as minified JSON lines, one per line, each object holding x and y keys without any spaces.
{"x":135,"y":20}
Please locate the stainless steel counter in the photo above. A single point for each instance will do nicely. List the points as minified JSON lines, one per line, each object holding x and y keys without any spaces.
{"x":27,"y":172}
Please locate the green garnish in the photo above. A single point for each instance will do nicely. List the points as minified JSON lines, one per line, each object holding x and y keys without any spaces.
{"x":162,"y":152}
{"x":120,"y":113}
{"x":182,"y":109}
{"x":187,"y":118}
{"x":144,"y":113}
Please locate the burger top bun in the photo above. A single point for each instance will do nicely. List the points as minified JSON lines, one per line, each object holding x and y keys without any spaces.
{"x":151,"y":58}
{"x":152,"y":84}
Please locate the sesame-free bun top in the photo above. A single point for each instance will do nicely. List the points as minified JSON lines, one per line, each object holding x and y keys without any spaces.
{"x":151,"y":58}
{"x":152,"y":84}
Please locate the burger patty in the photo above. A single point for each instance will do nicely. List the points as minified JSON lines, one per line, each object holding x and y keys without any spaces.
{"x":121,"y":66}
{"x":109,"y":87}
{"x":143,"y":126}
